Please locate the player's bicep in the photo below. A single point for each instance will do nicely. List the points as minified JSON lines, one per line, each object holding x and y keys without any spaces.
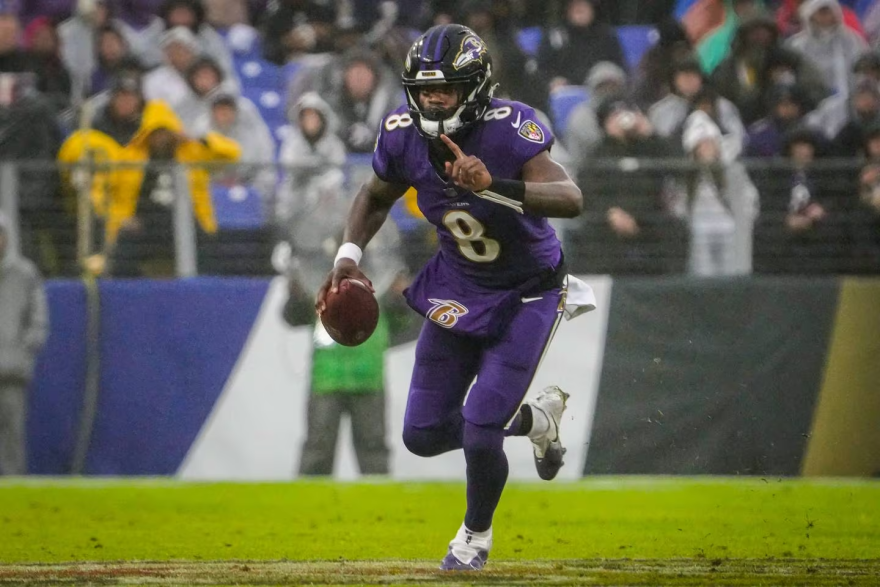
{"x":383,"y":193}
{"x":543,"y":169}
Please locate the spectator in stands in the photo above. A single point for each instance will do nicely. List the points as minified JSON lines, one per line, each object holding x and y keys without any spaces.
{"x":312,"y":156}
{"x":834,"y":112}
{"x":29,"y":132}
{"x":867,"y":66}
{"x":237,"y":118}
{"x":24,"y":326}
{"x":583,"y":133}
{"x":113,"y":56}
{"x":43,"y":45}
{"x":828,"y":43}
{"x":866,"y":213}
{"x":191,"y":14}
{"x":143,"y":23}
{"x":136,"y":203}
{"x":787,"y":67}
{"x":628,"y":226}
{"x":654,"y":71}
{"x":361,"y":92}
{"x":515,"y":74}
{"x":568,"y":52}
{"x":205,"y":80}
{"x":864,"y":114}
{"x":687,"y":82}
{"x":721,"y":203}
{"x":121,"y":117}
{"x":802,"y":227}
{"x":168,"y":82}
{"x":222,"y":14}
{"x":790,"y":22}
{"x":142,"y":28}
{"x":296,"y":27}
{"x":787,"y":106}
{"x":745,"y":76}
{"x":81,"y":36}
{"x":12,"y":58}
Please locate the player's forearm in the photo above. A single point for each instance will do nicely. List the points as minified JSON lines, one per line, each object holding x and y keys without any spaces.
{"x":366,"y":217}
{"x":557,"y":199}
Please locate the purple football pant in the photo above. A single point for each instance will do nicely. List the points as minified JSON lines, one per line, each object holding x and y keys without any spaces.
{"x":439,"y":417}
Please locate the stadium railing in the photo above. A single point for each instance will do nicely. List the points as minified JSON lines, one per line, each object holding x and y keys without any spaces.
{"x":743,"y":214}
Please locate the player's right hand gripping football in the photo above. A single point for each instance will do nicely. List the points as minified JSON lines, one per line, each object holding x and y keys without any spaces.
{"x":344,"y":269}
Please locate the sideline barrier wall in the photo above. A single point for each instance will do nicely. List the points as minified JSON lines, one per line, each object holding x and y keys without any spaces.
{"x":201,"y":378}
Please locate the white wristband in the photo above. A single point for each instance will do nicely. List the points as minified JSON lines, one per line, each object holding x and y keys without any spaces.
{"x":349,"y":251}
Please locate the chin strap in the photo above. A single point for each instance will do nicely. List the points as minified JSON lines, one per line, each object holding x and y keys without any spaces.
{"x":435,"y":128}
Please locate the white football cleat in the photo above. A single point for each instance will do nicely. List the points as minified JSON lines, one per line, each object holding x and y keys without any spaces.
{"x":547,"y":446}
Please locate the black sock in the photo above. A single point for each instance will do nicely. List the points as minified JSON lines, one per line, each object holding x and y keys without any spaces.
{"x":526,"y":420}
{"x":487,"y":471}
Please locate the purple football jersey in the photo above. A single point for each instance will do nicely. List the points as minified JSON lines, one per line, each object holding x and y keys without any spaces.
{"x":490,"y":245}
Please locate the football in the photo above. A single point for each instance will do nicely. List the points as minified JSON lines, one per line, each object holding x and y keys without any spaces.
{"x":350,"y":315}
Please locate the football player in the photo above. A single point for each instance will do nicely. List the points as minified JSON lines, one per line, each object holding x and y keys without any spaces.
{"x":495,"y":291}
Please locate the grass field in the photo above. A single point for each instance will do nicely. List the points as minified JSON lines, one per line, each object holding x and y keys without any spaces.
{"x":602,"y":531}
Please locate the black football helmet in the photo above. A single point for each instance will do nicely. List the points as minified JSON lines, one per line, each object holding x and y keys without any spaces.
{"x":448,"y":54}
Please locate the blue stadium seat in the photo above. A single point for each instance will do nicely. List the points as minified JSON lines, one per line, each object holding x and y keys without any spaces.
{"x":242,"y":41}
{"x":290,"y":71}
{"x":279,"y":133}
{"x":635,"y":41}
{"x":258,"y":73}
{"x":237,"y":206}
{"x":562,"y":102}
{"x":529,"y":39}
{"x":270,"y":103}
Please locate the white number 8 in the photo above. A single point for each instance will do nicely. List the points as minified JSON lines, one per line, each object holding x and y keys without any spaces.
{"x":498,"y":113}
{"x":468,"y":232}
{"x":397,"y":121}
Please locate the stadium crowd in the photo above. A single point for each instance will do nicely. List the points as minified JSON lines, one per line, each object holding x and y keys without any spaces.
{"x":714,"y":137}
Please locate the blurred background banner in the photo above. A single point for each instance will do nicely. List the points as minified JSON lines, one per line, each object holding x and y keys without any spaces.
{"x":165,"y":349}
{"x":200,"y":378}
{"x":711,"y":378}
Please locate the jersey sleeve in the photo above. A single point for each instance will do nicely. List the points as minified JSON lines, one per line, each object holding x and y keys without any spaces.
{"x":388,"y":152}
{"x":530,"y":136}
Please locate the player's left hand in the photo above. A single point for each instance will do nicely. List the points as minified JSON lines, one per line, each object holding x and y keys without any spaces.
{"x":467,"y":171}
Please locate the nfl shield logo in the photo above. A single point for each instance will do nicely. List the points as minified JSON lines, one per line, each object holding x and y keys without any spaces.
{"x":530,"y":131}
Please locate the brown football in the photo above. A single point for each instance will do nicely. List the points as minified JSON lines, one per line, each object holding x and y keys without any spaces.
{"x":350,"y":316}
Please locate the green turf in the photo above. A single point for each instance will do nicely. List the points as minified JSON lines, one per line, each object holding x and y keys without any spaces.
{"x":637,"y":518}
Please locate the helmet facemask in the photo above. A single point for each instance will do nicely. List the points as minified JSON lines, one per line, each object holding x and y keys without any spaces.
{"x":473,"y":100}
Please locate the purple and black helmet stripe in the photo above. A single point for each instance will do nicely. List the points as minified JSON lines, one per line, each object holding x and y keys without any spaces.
{"x":438,"y":46}
{"x":433,"y":46}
